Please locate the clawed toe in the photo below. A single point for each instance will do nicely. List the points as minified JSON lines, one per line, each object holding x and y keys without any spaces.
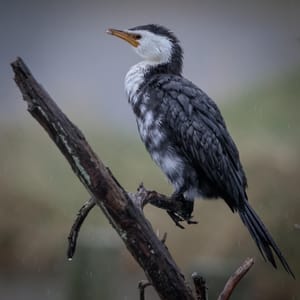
{"x":183,"y":212}
{"x":190,"y":221}
{"x":177,"y":218}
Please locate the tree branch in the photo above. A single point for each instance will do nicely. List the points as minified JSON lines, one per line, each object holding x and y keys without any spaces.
{"x":81,"y":215}
{"x":123,"y":210}
{"x":124,"y":216}
{"x":200,"y":286}
{"x":142,"y":286}
{"x":236,"y":278}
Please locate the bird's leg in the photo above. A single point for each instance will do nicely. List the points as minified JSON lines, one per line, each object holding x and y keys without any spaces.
{"x":185,"y":213}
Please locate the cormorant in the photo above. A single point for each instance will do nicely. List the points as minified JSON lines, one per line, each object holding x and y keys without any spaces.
{"x":185,"y":133}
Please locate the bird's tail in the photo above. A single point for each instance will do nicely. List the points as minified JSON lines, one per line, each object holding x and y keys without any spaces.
{"x":262,"y":237}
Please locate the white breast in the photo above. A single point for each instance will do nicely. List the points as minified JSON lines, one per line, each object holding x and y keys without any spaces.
{"x":134,"y":78}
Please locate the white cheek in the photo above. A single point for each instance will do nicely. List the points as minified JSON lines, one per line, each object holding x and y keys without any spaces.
{"x":146,"y":51}
{"x":154,"y":48}
{"x":149,"y":51}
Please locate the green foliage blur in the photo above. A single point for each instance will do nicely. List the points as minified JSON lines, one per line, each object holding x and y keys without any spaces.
{"x":40,"y":197}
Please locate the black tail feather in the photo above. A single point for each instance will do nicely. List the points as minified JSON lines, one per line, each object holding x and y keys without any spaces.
{"x":262,"y":237}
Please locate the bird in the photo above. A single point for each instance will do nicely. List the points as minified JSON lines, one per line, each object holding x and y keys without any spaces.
{"x":185,"y":133}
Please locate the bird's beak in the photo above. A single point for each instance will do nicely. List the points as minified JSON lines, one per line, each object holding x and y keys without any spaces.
{"x":128,"y":37}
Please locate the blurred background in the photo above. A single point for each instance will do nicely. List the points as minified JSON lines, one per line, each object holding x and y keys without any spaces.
{"x":244,"y":54}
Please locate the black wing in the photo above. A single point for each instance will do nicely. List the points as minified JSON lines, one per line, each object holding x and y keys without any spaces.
{"x":200,"y":133}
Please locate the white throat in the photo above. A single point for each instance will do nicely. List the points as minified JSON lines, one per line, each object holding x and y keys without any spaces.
{"x":134,"y":78}
{"x":155,"y":50}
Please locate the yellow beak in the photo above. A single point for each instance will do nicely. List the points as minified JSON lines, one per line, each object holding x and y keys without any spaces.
{"x":126,"y":36}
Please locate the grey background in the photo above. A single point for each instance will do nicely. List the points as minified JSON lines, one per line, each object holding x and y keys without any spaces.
{"x":228,"y":45}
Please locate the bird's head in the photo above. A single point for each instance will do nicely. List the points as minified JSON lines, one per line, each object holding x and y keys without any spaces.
{"x":154,"y":43}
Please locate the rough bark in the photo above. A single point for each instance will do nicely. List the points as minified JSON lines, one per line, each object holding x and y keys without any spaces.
{"x":129,"y":222}
{"x":200,"y":287}
{"x":235,"y":278}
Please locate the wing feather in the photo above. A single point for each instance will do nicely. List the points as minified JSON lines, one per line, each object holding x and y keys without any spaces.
{"x":198,"y":129}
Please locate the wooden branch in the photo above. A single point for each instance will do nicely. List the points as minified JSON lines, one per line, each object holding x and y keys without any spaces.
{"x":116,"y":204}
{"x":81,"y":215}
{"x":141,"y":198}
{"x":142,"y":286}
{"x":123,"y":210}
{"x":236,"y":278}
{"x":200,"y":286}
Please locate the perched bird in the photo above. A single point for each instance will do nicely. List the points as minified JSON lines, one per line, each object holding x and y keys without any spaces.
{"x":185,"y":133}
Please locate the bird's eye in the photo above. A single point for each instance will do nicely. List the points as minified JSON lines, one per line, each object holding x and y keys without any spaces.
{"x":137,"y":36}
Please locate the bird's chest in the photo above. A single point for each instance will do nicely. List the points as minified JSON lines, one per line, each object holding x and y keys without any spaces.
{"x":148,"y":115}
{"x":133,"y":80}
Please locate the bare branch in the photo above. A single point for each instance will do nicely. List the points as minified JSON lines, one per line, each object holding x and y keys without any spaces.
{"x":142,"y":286}
{"x":164,"y":238}
{"x":81,"y":215}
{"x":123,"y":210}
{"x":135,"y":231}
{"x":200,"y":286}
{"x":236,"y":278}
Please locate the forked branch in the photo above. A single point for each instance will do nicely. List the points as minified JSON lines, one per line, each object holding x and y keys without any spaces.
{"x":124,"y":216}
{"x":123,"y":210}
{"x":235,"y":278}
{"x":81,"y":216}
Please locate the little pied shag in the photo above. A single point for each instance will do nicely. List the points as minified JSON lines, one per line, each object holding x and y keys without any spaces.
{"x":185,"y":133}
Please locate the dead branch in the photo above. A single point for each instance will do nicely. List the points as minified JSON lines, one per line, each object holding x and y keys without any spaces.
{"x":200,"y":286}
{"x":123,"y":210}
{"x":142,"y":286}
{"x":135,"y":231}
{"x":236,"y":278}
{"x":81,"y":215}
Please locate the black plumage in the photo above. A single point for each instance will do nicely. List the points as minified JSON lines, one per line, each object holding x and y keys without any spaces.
{"x":185,"y":134}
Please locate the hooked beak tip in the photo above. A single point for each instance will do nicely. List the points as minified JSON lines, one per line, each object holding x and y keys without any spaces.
{"x":109,"y":31}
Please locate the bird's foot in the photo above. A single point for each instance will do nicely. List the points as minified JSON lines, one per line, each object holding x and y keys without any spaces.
{"x":176,"y":218}
{"x":185,"y":212}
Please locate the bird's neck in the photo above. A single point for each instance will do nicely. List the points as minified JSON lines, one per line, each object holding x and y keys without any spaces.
{"x":139,"y":74}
